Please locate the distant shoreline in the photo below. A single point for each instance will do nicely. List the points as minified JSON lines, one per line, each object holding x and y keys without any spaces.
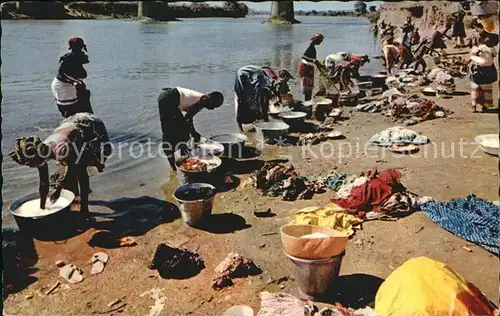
{"x":114,"y":10}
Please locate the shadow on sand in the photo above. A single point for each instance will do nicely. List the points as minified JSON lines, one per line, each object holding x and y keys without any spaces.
{"x":224,"y":223}
{"x":19,"y":256}
{"x":131,"y":217}
{"x":356,"y":290}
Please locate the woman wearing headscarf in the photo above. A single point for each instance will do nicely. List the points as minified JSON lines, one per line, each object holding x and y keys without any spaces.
{"x":68,"y":87}
{"x":79,"y":142}
{"x":306,"y":67}
{"x":177,"y":107}
{"x":482,"y":74}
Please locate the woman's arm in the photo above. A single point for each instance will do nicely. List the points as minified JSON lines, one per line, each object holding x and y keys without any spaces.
{"x":83,"y":181}
{"x":43,"y":173}
{"x":62,"y":72}
{"x":189,"y":120}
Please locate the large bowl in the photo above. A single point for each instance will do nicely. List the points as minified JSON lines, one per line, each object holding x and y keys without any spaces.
{"x":271,"y":132}
{"x":293,"y":118}
{"x":197,"y":207}
{"x":207,"y":149}
{"x":187,"y":176}
{"x":42,"y":225}
{"x":489,"y":143}
{"x":312,"y":248}
{"x":233,"y":142}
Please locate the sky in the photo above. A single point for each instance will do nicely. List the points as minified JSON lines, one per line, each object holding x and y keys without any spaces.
{"x":303,"y":5}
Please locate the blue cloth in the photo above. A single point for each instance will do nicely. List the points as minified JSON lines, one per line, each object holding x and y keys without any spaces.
{"x":251,"y":85}
{"x":472,"y":219}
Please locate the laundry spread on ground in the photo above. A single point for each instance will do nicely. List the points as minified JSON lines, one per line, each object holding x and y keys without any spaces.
{"x":412,"y":110}
{"x":276,"y":179}
{"x":331,"y":216}
{"x":283,"y":304}
{"x":398,"y":136}
{"x":374,"y":195}
{"x":473,"y":219}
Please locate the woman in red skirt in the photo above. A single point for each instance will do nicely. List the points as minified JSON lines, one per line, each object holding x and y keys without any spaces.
{"x":306,"y":67}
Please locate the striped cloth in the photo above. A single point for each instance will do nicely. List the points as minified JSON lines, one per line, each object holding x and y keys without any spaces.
{"x":472,"y":219}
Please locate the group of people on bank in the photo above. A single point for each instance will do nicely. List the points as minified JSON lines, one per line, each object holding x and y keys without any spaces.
{"x":409,"y":50}
{"x":81,"y":140}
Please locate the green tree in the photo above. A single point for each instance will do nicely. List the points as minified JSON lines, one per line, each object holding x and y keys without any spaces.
{"x":360,"y":7}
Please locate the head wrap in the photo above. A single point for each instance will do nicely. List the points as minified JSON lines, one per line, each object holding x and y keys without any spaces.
{"x":76,"y":43}
{"x":28,"y":151}
{"x":318,"y":36}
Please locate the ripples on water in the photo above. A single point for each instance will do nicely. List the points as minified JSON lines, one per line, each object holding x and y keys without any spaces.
{"x":130,"y":61}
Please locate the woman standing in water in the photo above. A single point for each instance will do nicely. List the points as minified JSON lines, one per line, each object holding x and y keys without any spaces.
{"x":68,"y":86}
{"x":79,"y":142}
{"x":306,"y":67}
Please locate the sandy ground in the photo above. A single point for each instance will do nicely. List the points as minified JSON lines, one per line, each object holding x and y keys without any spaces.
{"x":443,"y":173}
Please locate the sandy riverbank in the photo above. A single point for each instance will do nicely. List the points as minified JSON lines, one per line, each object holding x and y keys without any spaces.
{"x":386,"y":245}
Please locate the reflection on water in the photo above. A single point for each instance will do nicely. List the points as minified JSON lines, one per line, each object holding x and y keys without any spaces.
{"x":131,"y":61}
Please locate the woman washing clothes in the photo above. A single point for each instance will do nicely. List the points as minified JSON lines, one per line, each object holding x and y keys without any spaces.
{"x":306,"y":67}
{"x":79,"y":142}
{"x":176,"y":126}
{"x":482,"y":74}
{"x":68,"y":87}
{"x":253,"y":90}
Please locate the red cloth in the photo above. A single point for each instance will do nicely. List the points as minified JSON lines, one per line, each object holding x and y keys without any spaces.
{"x":306,"y":73}
{"x":372,"y":193}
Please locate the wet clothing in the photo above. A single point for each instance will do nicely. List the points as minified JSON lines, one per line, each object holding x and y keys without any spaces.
{"x":82,"y":131}
{"x":252,"y":87}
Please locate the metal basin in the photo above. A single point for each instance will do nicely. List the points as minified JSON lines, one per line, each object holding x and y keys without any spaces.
{"x":196,"y":201}
{"x":271,"y":132}
{"x":43,"y":226}
{"x":188,"y":176}
{"x":233,"y":143}
{"x":293,"y":118}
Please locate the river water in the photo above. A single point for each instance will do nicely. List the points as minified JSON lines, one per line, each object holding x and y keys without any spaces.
{"x":131,"y":61}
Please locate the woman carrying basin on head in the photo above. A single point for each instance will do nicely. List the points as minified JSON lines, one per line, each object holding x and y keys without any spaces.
{"x":177,"y":107}
{"x":68,"y":87}
{"x":79,"y":142}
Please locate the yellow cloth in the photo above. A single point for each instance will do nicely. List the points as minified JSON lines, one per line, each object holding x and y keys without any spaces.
{"x":331,"y":216}
{"x":425,"y":287}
